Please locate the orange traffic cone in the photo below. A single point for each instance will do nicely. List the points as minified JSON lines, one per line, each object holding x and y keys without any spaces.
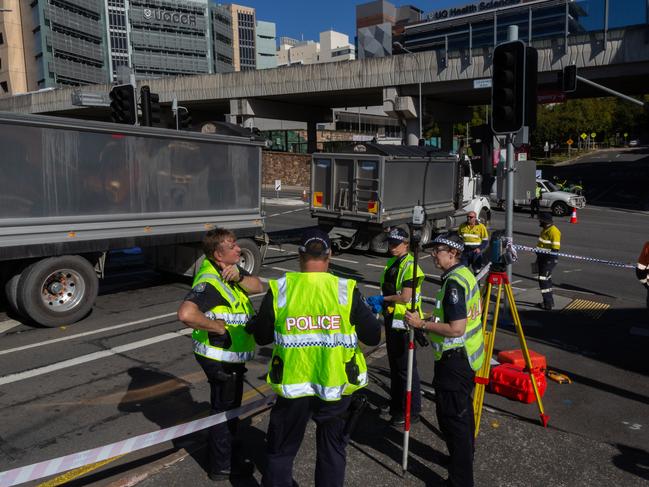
{"x":573,"y":217}
{"x":304,"y":196}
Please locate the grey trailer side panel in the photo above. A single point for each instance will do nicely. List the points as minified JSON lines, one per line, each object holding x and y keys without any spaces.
{"x":409,"y":182}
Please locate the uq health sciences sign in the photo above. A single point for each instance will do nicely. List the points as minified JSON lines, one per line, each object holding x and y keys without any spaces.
{"x":172,"y":17}
{"x":472,"y":8}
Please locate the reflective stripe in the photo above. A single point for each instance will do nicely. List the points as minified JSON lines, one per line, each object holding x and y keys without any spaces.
{"x":546,"y":290}
{"x":543,"y":278}
{"x":316,"y":340}
{"x":281,"y":292}
{"x":641,"y":267}
{"x":342,"y":291}
{"x":470,"y":235}
{"x":398,"y":325}
{"x":470,"y":334}
{"x":643,"y":281}
{"x":551,"y":242}
{"x":232,"y":318}
{"x":221,"y":355}
{"x":472,"y":244}
{"x":403,"y":273}
{"x":472,"y":290}
{"x":474,"y":356}
{"x":309,"y":389}
{"x":225,"y":288}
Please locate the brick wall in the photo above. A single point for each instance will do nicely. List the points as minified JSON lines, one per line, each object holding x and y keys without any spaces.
{"x":291,"y":169}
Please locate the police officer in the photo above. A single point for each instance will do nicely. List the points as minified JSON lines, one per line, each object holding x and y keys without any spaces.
{"x":316,"y":320}
{"x":549,"y":244}
{"x":456,"y":336}
{"x":396,"y":297}
{"x":535,"y":203}
{"x":642,"y":269}
{"x":476,"y":239}
{"x":218,"y":308}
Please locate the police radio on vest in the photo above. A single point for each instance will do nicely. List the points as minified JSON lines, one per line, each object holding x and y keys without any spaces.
{"x":303,"y":323}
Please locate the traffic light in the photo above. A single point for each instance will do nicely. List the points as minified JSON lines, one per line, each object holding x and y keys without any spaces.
{"x":531,"y":84}
{"x":569,"y":79}
{"x":150,"y":107}
{"x":184,"y":119}
{"x":123,"y":105}
{"x":508,"y":88}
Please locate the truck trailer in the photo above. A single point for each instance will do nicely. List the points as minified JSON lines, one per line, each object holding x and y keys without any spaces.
{"x":72,"y":190}
{"x":359,"y":195}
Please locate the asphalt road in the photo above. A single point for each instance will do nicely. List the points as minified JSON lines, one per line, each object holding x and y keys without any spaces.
{"x":128,"y":368}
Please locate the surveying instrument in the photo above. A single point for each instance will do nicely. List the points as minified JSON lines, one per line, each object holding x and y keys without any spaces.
{"x":501,"y":257}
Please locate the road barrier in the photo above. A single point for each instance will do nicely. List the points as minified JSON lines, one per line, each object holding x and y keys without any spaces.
{"x":611,"y":263}
{"x":75,"y":460}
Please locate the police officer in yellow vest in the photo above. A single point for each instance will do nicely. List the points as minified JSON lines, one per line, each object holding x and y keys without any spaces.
{"x":456,"y":336}
{"x":218,"y":308}
{"x":396,"y":289}
{"x":546,"y":259}
{"x":315,"y":320}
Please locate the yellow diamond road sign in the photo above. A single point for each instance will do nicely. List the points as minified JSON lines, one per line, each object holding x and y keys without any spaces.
{"x":583,"y":135}
{"x":569,"y":142}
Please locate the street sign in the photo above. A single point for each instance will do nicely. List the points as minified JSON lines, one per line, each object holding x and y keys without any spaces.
{"x":546,"y":147}
{"x":278,"y":185}
{"x":593,"y":135}
{"x":583,"y":136}
{"x":545,"y":97}
{"x":570,"y":142}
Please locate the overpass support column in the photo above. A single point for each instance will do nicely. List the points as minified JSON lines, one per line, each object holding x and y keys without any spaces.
{"x":311,"y":137}
{"x":412,"y":131}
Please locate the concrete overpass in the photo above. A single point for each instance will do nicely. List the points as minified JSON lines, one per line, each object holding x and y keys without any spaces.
{"x":308,"y":93}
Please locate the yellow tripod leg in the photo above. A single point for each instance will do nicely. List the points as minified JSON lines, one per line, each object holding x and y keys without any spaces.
{"x":526,"y":353}
{"x":482,"y":377}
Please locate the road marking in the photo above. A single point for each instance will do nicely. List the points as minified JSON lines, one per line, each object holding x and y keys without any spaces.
{"x":91,"y":357}
{"x":516,"y":282}
{"x":8,"y":325}
{"x":277,"y":249}
{"x":87,"y":333}
{"x":282,"y":269}
{"x":592,"y":309}
{"x":344,"y":260}
{"x":376,"y":265}
{"x":433,"y":275}
{"x":639,"y":331}
{"x":286,"y":212}
{"x":371,"y":286}
{"x":424,"y":257}
{"x":571,"y":270}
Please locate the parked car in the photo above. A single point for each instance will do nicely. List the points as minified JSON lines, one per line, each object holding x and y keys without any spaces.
{"x":633,"y":143}
{"x":559,"y":202}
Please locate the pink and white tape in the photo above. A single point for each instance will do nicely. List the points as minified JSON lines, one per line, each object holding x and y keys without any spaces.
{"x":76,"y":460}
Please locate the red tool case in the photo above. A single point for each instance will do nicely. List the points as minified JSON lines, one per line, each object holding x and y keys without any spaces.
{"x":515,"y":357}
{"x":514,"y":383}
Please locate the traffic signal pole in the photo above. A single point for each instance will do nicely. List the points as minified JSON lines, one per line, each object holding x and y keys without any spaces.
{"x":512,"y":34}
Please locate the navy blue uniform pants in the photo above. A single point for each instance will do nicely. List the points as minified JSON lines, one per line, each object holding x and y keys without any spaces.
{"x":288,"y":422}
{"x":546,"y":264}
{"x":226,"y":391}
{"x":471,"y":259}
{"x":453,"y":385}
{"x":396,"y":342}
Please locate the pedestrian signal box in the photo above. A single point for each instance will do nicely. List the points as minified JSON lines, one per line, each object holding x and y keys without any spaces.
{"x":508,"y":88}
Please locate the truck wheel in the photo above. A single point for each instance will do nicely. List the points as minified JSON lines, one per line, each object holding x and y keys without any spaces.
{"x":58,"y":290}
{"x":426,"y":233}
{"x":560,"y":209}
{"x":11,"y":292}
{"x":379,"y":243}
{"x":250,"y":256}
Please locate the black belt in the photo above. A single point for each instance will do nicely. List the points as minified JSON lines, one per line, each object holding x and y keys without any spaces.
{"x":461,"y":352}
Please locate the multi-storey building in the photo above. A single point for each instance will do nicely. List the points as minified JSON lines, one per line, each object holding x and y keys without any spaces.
{"x":333,"y":47}
{"x":222,"y":41}
{"x":243,"y":35}
{"x":13,"y":75}
{"x":266,"y":45}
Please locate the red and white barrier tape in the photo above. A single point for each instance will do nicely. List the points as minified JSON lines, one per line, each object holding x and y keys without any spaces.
{"x":76,"y":460}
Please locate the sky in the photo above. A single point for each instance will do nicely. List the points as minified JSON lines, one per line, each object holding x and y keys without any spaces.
{"x":305,"y":19}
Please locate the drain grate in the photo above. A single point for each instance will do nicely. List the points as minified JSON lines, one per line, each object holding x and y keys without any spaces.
{"x":592,"y":309}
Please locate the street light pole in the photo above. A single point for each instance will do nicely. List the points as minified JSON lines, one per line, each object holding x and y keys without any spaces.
{"x":419,"y":114}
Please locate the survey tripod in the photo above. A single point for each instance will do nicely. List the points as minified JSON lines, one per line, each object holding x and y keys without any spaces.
{"x":482,"y":376}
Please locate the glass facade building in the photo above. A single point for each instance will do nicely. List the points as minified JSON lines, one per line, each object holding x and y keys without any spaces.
{"x":463,"y":29}
{"x":266,"y":45}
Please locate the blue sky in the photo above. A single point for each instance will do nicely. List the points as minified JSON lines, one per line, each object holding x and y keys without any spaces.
{"x":306,"y":19}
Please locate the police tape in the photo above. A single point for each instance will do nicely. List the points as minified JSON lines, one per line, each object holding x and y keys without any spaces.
{"x":75,"y":460}
{"x":611,"y":263}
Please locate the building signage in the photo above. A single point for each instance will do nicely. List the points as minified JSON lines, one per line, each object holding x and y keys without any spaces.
{"x":175,"y":17}
{"x":473,"y":8}
{"x":481,"y":83}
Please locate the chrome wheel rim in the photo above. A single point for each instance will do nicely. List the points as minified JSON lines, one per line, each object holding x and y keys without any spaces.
{"x":62,"y":290}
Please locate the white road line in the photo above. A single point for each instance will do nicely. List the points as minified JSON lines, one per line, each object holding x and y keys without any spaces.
{"x":8,"y":325}
{"x":8,"y":379}
{"x":344,"y":260}
{"x":423,"y":257}
{"x":87,"y":333}
{"x":639,"y":331}
{"x":376,"y":265}
{"x":286,"y":212}
{"x":516,"y":282}
{"x":277,"y":249}
{"x":282,"y":269}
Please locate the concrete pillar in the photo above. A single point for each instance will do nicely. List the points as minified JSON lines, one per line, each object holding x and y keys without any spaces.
{"x":311,"y":137}
{"x":446,"y":131}
{"x":412,"y":131}
{"x":247,"y":121}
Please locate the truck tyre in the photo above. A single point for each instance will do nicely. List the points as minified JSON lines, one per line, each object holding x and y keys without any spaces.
{"x":559,"y":208}
{"x":426,"y":233}
{"x":250,"y":256}
{"x":11,"y":292}
{"x":58,"y":290}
